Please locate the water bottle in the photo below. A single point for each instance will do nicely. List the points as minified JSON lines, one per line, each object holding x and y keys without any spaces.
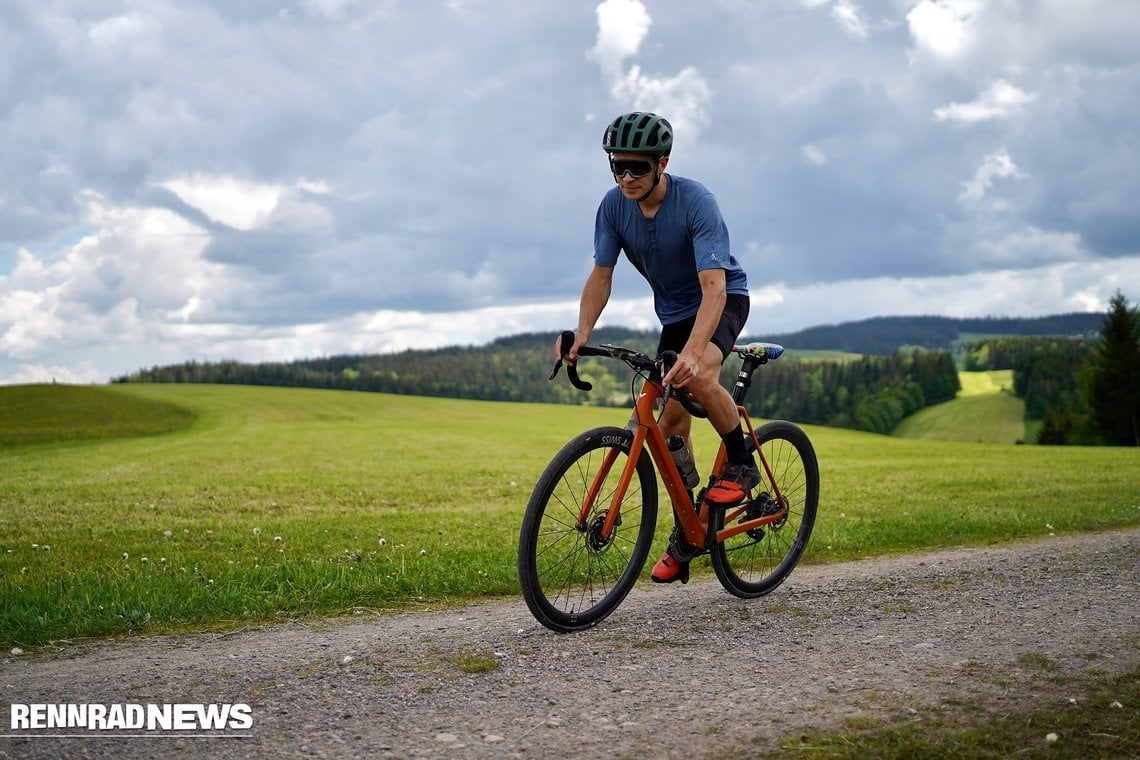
{"x":683,"y":458}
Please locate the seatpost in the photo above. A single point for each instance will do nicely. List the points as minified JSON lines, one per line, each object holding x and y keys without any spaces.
{"x":744,"y":379}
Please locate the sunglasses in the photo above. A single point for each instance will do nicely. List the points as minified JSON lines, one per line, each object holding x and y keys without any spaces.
{"x":637,"y":168}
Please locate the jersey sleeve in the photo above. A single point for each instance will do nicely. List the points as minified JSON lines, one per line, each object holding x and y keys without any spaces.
{"x":607,"y":242}
{"x":710,"y":234}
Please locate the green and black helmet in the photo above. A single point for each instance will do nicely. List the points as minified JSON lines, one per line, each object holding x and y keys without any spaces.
{"x":639,"y":132}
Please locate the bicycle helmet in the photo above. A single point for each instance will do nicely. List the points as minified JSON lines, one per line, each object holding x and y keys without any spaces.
{"x":639,"y":132}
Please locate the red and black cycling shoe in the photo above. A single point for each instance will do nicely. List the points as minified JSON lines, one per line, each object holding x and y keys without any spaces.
{"x":733,"y":485}
{"x":669,"y":568}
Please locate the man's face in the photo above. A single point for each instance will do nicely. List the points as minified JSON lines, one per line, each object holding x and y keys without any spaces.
{"x":625,"y":165}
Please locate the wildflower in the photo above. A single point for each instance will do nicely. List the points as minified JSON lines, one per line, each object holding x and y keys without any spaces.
{"x":167,"y":533}
{"x":257,"y":531}
{"x":1051,"y":737}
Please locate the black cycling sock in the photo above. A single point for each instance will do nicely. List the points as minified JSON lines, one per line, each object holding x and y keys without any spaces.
{"x":734,"y":446}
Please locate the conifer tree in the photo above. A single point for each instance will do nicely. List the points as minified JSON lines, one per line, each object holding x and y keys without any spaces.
{"x":1114,"y":380}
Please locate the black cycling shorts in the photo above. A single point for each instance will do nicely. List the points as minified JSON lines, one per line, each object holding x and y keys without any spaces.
{"x":675,"y":335}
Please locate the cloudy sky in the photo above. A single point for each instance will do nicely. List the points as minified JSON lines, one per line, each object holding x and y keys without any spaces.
{"x":278,"y":179}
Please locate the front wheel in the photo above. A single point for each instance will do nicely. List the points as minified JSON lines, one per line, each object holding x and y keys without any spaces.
{"x":755,"y":562}
{"x":572,"y":575}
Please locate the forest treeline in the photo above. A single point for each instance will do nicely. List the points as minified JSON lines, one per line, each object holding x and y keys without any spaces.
{"x":872,"y":393}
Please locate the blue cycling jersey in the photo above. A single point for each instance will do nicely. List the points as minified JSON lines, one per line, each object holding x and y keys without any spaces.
{"x":687,"y":235}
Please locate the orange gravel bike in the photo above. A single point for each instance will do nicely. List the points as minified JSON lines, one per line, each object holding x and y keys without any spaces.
{"x":589,"y":525}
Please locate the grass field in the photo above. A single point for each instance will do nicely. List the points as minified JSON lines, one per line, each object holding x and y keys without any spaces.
{"x":985,"y":411}
{"x":276,"y":503}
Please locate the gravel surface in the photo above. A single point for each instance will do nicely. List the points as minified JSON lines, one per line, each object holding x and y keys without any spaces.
{"x":676,"y":671}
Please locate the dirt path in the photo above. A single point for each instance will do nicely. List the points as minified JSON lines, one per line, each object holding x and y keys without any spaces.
{"x":675,"y":672}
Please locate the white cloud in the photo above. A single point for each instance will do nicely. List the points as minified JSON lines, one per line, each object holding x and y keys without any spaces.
{"x":330,"y":9}
{"x":999,"y":101}
{"x":813,"y":155}
{"x":942,"y":26}
{"x":241,"y":204}
{"x":622,"y":26}
{"x":85,"y":373}
{"x":995,"y":166}
{"x":683,"y":98}
{"x":850,"y":18}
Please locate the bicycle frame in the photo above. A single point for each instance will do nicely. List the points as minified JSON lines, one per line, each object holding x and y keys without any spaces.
{"x":694,"y":519}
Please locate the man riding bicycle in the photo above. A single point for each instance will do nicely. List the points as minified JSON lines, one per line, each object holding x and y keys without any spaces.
{"x":671,"y":230}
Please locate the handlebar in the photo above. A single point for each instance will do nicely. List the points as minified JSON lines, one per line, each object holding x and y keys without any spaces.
{"x":637,"y":361}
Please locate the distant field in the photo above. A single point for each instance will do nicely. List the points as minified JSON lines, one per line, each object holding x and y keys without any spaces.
{"x":985,"y":411}
{"x":277,"y":503}
{"x":819,"y":355}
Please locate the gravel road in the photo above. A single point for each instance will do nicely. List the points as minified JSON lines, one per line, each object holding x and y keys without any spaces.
{"x":676,"y":671}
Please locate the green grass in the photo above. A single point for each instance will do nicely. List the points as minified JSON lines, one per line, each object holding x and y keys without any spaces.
{"x":277,"y":503}
{"x":39,"y":413}
{"x":1102,"y":723}
{"x":985,"y":411}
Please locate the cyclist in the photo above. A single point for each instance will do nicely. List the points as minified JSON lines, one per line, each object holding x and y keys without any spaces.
{"x":671,"y":230}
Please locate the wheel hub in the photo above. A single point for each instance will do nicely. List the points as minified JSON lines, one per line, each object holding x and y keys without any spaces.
{"x":596,"y":543}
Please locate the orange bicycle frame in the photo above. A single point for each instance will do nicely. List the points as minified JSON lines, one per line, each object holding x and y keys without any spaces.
{"x":693,"y":519}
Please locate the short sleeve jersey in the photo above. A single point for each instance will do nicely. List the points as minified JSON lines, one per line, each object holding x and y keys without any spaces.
{"x":687,"y":235}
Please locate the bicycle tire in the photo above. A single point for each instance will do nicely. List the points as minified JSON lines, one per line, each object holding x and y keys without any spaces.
{"x":570,"y":577}
{"x":754,"y":563}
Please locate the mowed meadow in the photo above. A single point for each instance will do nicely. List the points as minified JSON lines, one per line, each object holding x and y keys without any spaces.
{"x":161,"y":508}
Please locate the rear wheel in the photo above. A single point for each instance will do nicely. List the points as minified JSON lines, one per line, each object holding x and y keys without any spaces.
{"x":755,"y":562}
{"x":571,"y":575}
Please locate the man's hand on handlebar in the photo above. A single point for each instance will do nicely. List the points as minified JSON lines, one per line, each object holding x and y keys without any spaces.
{"x":567,"y":347}
{"x":685,"y":370}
